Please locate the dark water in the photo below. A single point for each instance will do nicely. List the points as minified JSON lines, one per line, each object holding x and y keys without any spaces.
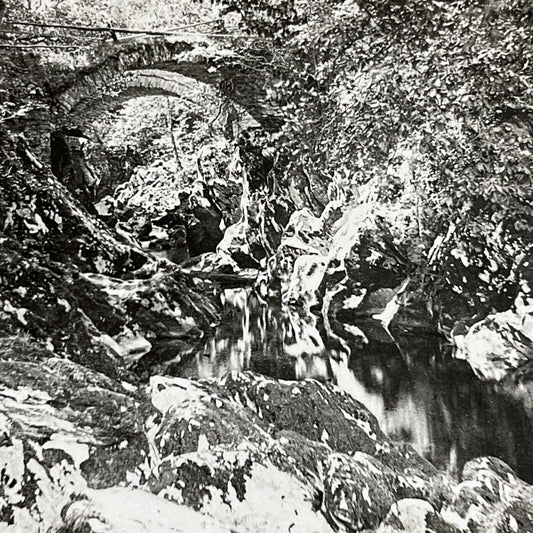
{"x":418,"y":393}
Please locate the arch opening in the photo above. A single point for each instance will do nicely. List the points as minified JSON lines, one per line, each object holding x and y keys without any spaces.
{"x":150,"y":154}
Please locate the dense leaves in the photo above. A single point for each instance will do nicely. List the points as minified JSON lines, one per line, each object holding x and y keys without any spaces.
{"x":429,"y":101}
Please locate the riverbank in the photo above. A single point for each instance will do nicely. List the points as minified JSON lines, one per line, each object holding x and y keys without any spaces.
{"x":83,"y":452}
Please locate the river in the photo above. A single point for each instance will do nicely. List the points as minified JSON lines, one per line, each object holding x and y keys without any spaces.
{"x":417,"y":391}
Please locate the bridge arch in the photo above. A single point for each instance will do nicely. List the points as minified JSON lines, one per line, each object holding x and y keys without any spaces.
{"x":172,"y":66}
{"x":162,"y":65}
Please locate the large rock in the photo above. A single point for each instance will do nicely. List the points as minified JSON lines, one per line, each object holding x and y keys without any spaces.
{"x":498,"y":345}
{"x":343,"y":263}
{"x":482,"y":271}
{"x":491,"y":498}
{"x":82,"y":452}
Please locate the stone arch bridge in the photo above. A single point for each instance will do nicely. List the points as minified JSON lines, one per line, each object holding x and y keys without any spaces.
{"x":120,"y":70}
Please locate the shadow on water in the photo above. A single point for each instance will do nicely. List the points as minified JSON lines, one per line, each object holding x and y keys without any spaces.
{"x":418,"y":393}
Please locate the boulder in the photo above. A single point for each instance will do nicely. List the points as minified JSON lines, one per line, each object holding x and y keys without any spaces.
{"x":498,"y":345}
{"x":491,"y":498}
{"x":415,"y":516}
{"x":80,"y":451}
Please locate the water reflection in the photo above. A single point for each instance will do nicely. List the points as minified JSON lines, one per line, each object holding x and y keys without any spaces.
{"x":418,"y":393}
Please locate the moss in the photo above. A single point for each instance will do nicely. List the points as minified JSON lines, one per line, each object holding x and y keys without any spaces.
{"x":108,"y":466}
{"x":21,"y":347}
{"x":238,"y":478}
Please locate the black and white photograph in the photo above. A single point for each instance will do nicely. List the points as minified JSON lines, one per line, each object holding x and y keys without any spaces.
{"x":266,"y":266}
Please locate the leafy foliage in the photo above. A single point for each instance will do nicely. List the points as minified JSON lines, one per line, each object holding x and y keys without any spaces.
{"x":432,"y":101}
{"x":133,"y":13}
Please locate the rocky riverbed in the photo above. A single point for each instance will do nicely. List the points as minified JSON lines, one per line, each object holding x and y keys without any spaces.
{"x":82,"y":452}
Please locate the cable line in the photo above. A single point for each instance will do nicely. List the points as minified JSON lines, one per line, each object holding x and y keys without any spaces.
{"x":170,"y":32}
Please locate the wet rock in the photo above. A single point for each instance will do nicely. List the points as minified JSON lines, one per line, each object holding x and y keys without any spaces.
{"x":357,"y":492}
{"x":415,"y":516}
{"x":498,"y":345}
{"x":243,"y":489}
{"x":491,"y":498}
{"x":482,"y":273}
{"x":375,"y":302}
{"x":323,"y":260}
{"x":297,"y":442}
{"x":282,"y":405}
{"x":114,"y":165}
{"x":69,"y":164}
{"x":86,"y":291}
{"x":238,"y":454}
{"x":203,"y":230}
{"x":184,"y":230}
{"x":179,"y":250}
{"x":94,"y":319}
{"x":353,"y":488}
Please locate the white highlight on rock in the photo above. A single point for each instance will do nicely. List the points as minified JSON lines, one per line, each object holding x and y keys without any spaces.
{"x":67,"y":443}
{"x":203,"y":443}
